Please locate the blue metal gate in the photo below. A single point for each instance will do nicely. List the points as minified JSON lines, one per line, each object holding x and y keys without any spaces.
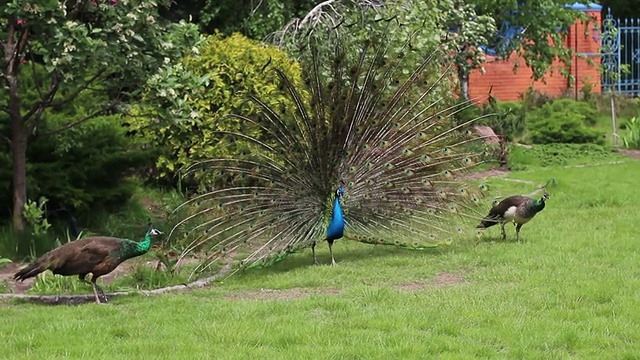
{"x":621,"y":55}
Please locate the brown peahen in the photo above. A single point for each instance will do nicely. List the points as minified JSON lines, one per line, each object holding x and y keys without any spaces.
{"x":98,"y":255}
{"x":518,"y":209}
{"x":371,"y":149}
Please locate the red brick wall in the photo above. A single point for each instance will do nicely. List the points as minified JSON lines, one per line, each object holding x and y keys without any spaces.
{"x":506,"y":85}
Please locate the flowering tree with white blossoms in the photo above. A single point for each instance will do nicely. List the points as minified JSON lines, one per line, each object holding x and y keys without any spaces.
{"x":105,"y":48}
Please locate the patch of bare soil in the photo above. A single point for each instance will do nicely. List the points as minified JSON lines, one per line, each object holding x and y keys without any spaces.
{"x":6,"y":277}
{"x":442,"y":279}
{"x":280,"y":294}
{"x":630,"y":152}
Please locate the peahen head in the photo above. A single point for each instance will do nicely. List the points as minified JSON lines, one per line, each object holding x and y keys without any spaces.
{"x":540,"y":202}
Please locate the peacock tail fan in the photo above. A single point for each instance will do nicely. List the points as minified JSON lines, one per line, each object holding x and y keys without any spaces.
{"x":375,"y":117}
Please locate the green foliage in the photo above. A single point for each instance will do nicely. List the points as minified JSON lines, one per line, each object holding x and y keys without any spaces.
{"x":48,"y":283}
{"x":146,"y":277}
{"x":586,"y":110}
{"x":35,"y":215}
{"x":632,"y":139}
{"x":85,"y":167}
{"x":255,"y":20}
{"x":234,"y":68}
{"x":563,"y":129}
{"x":548,"y":19}
{"x":120,"y":42}
{"x":510,"y":120}
{"x":466,"y":32}
{"x":564,"y":121}
{"x":521,"y":157}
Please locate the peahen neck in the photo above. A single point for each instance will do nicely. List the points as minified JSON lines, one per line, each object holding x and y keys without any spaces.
{"x":538,"y":205}
{"x":336,"y":224}
{"x":145,"y":245}
{"x":132,"y":248}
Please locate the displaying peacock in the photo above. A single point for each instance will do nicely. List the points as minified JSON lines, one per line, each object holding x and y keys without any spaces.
{"x":98,"y":255}
{"x":369,"y":150}
{"x":518,"y":209}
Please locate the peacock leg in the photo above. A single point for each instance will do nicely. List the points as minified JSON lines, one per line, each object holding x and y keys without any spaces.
{"x":333,"y":261}
{"x":518,"y":232}
{"x":504,"y":233}
{"x":313,"y":251}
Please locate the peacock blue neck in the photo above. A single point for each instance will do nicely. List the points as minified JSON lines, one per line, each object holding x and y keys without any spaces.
{"x":336,"y":224}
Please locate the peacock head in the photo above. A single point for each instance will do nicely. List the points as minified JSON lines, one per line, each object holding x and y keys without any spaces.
{"x":339,"y":192}
{"x":545,"y":196}
{"x":154,"y":232}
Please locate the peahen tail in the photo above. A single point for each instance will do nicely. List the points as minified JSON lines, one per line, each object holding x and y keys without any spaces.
{"x":487,"y":222}
{"x":375,"y":117}
{"x":30,"y":271}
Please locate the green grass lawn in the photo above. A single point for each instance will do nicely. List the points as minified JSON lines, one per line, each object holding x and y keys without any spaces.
{"x":571,"y":289}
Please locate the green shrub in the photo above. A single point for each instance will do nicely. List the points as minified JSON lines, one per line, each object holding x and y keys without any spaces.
{"x":564,"y":121}
{"x":589,"y":113}
{"x":520,"y":157}
{"x":563,"y":128}
{"x":237,"y":67}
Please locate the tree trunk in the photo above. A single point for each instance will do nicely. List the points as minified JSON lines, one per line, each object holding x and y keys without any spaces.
{"x":19,"y":157}
{"x":18,"y":136}
{"x":463,"y":79}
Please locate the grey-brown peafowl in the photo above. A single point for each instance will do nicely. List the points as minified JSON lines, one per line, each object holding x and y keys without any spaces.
{"x":368,"y":151}
{"x":518,"y":209}
{"x":98,"y":255}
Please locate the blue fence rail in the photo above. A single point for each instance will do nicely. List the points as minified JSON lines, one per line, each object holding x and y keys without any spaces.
{"x":621,"y":55}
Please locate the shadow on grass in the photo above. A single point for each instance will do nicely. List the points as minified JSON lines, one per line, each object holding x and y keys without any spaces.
{"x":355,"y":254}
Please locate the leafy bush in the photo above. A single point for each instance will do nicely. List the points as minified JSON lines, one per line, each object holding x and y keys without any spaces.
{"x":588,"y":112}
{"x":521,"y":157}
{"x":563,"y":128}
{"x":83,"y":168}
{"x":564,"y":121}
{"x":235,"y":68}
{"x":632,"y":139}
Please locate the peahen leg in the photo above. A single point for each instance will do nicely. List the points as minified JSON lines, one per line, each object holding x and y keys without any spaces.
{"x":504,"y":233}
{"x":333,"y":261}
{"x":518,"y":232}
{"x":97,"y":288}
{"x":313,"y":251}
{"x":82,"y":278}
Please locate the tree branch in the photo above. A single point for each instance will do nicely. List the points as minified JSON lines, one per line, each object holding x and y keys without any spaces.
{"x":5,"y":139}
{"x":80,"y":121}
{"x":39,"y":106}
{"x":80,"y":89}
{"x":24,"y":39}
